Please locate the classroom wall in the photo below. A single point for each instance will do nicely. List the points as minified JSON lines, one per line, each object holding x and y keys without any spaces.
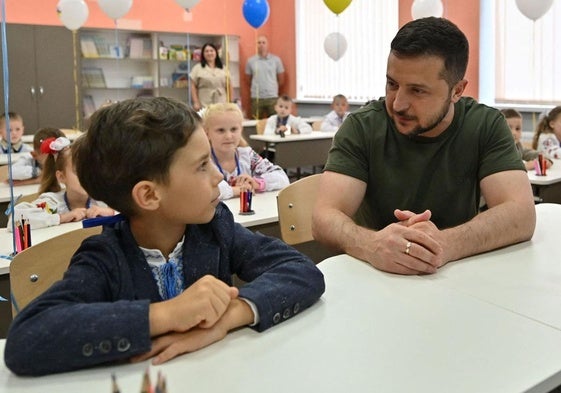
{"x":225,"y":17}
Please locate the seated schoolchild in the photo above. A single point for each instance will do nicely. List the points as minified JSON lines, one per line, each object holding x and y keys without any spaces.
{"x":514,"y":121}
{"x":241,"y":167}
{"x":57,"y":204}
{"x":158,"y":283}
{"x":340,"y":110}
{"x":283,"y":123}
{"x":27,"y":169}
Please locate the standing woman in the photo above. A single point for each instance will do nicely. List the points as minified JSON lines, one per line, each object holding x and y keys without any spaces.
{"x":210,"y":82}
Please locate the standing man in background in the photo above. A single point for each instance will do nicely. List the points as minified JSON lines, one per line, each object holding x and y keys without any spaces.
{"x":266,"y":75}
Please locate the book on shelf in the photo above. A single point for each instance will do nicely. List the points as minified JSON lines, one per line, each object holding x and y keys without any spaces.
{"x":88,"y":106}
{"x":140,"y":47}
{"x":88,"y":47}
{"x":93,"y":77}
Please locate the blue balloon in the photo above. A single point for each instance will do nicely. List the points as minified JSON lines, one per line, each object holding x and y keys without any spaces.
{"x":256,"y":12}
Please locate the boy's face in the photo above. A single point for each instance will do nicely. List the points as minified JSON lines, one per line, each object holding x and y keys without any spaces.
{"x":515,"y":124}
{"x":283,"y":108}
{"x":340,"y":107}
{"x":191,"y":194}
{"x":224,"y":132}
{"x":16,"y":130}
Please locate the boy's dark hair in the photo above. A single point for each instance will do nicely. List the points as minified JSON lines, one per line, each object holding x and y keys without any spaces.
{"x":128,"y":142}
{"x":285,"y":98}
{"x":11,"y":116}
{"x":434,"y":37}
{"x":510,"y":113}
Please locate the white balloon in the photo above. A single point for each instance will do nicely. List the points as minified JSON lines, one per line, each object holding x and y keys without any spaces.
{"x":426,"y":8}
{"x":335,"y":45}
{"x":187,"y":4}
{"x":534,"y":9}
{"x":72,"y":13}
{"x":115,"y":9}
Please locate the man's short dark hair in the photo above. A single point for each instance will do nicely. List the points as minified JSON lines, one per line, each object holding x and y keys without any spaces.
{"x":128,"y":142}
{"x":434,"y":37}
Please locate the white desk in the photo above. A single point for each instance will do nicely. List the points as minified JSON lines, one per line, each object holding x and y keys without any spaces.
{"x":264,"y":205}
{"x":15,"y":157}
{"x":547,"y":187}
{"x":525,"y":278}
{"x":18,"y":190}
{"x":371,"y":332}
{"x":553,"y":175}
{"x":299,"y":150}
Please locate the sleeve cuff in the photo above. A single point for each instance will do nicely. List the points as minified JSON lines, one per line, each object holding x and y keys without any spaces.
{"x":261,"y":183}
{"x":254,"y":309}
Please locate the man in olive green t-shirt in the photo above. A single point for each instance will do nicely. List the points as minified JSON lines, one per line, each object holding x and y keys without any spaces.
{"x":403,"y":179}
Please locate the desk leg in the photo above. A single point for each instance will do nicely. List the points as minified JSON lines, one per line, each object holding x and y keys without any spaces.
{"x":548,"y":194}
{"x":5,"y":307}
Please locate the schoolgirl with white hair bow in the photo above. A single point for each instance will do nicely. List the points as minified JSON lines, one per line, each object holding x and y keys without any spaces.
{"x":61,"y":197}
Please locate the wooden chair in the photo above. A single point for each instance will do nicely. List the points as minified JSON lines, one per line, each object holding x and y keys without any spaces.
{"x":35,"y":269}
{"x":29,"y":198}
{"x":316,"y":125}
{"x":260,"y":126}
{"x":295,"y":204}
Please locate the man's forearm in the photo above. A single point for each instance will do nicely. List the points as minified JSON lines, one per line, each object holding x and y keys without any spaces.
{"x":502,"y":225}
{"x":339,"y":232}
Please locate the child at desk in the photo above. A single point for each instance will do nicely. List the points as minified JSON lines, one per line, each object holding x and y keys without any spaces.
{"x":340,"y":110}
{"x":55,"y":204}
{"x":16,"y":132}
{"x":548,"y":134}
{"x":514,"y":121}
{"x":241,"y":167}
{"x":283,"y":123}
{"x":158,"y":283}
{"x":27,"y":169}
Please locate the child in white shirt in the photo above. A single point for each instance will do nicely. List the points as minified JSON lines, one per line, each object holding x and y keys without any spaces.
{"x":283,"y":123}
{"x":27,"y":169}
{"x":241,"y":166}
{"x":548,"y":134}
{"x":340,"y":110}
{"x":16,"y":133}
{"x":56,"y":204}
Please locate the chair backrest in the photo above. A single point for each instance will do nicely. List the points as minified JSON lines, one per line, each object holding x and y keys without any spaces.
{"x":29,"y":197}
{"x":4,"y":173}
{"x":316,"y":125}
{"x":295,"y":203}
{"x":260,"y":126}
{"x":35,"y":269}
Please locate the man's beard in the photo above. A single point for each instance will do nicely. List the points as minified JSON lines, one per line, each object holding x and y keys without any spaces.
{"x":437,"y":120}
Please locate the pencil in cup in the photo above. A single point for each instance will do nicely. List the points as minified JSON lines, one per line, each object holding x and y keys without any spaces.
{"x":245,"y":201}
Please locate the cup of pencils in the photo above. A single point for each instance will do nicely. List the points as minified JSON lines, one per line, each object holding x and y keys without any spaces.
{"x":23,"y":235}
{"x":540,"y":165}
{"x":245,"y":202}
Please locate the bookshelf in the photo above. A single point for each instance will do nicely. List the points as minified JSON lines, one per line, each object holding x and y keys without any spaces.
{"x":117,"y":65}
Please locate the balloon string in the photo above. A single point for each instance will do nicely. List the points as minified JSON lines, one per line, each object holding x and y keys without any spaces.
{"x":77,"y":125}
{"x":6,"y":79}
{"x":255,"y":78}
{"x":189,"y":100}
{"x":118,"y":61}
{"x":227,"y":57}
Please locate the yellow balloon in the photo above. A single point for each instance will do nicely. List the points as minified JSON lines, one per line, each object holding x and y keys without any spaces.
{"x":337,"y":6}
